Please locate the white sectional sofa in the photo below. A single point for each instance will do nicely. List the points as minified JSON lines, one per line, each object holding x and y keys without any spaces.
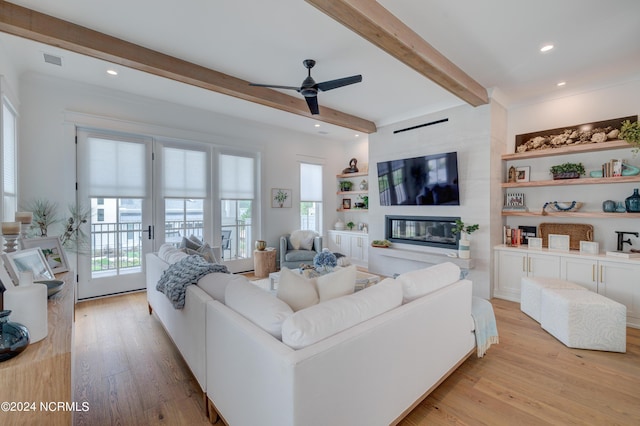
{"x":371,"y":373}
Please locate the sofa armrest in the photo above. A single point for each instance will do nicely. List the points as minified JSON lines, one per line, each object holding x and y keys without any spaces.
{"x":284,"y":243}
{"x":317,"y":243}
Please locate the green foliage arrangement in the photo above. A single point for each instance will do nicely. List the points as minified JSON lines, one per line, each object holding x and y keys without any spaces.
{"x":567,"y":168}
{"x":465,"y":229}
{"x":630,"y":132}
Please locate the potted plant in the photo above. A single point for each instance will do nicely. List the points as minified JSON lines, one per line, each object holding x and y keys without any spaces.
{"x":350,"y":225}
{"x":567,"y":171}
{"x":630,"y":132}
{"x":346,"y":185}
{"x":464,"y":230}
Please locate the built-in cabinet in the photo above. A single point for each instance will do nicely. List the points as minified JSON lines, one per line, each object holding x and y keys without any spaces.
{"x":353,"y":244}
{"x":616,"y":278}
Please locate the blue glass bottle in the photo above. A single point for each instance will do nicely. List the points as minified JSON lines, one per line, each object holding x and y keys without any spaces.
{"x":632,"y":203}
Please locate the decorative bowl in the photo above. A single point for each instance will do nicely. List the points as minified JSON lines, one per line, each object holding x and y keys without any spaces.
{"x":562,"y":206}
{"x":53,"y":286}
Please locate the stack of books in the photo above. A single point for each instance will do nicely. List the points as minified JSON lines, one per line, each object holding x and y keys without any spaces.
{"x":612,"y":168}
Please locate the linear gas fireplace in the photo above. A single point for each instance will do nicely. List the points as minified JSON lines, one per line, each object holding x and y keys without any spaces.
{"x":433,"y":231}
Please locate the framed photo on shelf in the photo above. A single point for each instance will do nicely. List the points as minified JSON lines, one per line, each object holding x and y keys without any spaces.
{"x":558,"y":242}
{"x":589,"y":247}
{"x":522,"y":174}
{"x":535,"y":243}
{"x":527,"y":232}
{"x":52,"y":251}
{"x":28,"y":260}
{"x":346,"y":204}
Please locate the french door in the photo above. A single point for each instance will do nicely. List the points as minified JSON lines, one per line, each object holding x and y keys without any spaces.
{"x":114,"y":179}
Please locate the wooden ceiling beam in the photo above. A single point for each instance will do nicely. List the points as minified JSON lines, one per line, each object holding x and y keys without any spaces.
{"x":376,"y":24}
{"x":49,"y":30}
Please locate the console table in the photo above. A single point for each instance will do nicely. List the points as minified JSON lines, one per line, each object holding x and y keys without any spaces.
{"x":41,"y":374}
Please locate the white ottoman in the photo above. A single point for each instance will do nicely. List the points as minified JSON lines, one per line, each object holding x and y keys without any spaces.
{"x":530,"y":292}
{"x":584,"y":319}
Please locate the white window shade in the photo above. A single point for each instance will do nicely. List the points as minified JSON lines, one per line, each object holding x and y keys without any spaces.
{"x":184,"y":173}
{"x":236,"y":177}
{"x":9,"y":150}
{"x":116,"y":169}
{"x":310,"y":182}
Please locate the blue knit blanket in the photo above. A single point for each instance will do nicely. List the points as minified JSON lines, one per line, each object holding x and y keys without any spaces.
{"x":484,"y":319}
{"x":175,"y":279}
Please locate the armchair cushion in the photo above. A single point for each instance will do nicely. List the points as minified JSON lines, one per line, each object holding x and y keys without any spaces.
{"x":302,"y":239}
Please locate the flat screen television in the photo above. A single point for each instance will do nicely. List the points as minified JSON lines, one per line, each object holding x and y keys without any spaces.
{"x":430,"y":180}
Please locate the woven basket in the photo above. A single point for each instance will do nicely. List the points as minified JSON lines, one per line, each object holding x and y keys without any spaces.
{"x":576,"y":231}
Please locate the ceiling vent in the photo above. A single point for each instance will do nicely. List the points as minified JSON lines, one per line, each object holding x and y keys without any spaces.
{"x":52,"y":59}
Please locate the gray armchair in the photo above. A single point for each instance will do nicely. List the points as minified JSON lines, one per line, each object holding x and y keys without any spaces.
{"x":292,"y":258}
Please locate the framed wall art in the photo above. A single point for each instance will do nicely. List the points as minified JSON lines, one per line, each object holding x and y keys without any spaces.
{"x":280,"y":198}
{"x":52,"y":251}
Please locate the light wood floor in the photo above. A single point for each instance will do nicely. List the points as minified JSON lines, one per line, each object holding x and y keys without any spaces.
{"x":130,"y":373}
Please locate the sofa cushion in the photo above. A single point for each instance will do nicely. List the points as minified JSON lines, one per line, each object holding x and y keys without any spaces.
{"x":419,"y":283}
{"x":258,"y":306}
{"x":341,"y":282}
{"x":302,"y":239}
{"x":193,"y":245}
{"x":215,"y":284}
{"x":323,"y":320}
{"x":296,"y":290}
{"x":170,"y":253}
{"x":300,"y":256}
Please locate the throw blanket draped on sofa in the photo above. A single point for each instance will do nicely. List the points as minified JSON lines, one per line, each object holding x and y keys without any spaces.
{"x":175,"y":279}
{"x":485,"y":324}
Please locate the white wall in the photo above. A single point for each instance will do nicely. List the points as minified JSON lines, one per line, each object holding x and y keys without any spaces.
{"x":468,"y":133}
{"x":47,"y":149}
{"x":598,"y":104}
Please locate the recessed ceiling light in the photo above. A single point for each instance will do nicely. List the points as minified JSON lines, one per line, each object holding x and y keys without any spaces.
{"x":357,"y":135}
{"x":562,"y":83}
{"x":316,"y":125}
{"x":547,"y":47}
{"x":112,"y":72}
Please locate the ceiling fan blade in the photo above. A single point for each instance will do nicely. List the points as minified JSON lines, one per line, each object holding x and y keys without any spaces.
{"x":312,"y":101}
{"x":334,"y":84}
{"x":273,"y":86}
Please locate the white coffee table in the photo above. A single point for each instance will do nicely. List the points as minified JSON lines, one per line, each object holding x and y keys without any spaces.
{"x":363,"y":279}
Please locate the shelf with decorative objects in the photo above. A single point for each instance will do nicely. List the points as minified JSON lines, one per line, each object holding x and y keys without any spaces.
{"x":514,"y":202}
{"x":356,"y":199}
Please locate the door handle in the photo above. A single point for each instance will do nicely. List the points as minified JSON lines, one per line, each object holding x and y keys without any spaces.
{"x":149,"y":230}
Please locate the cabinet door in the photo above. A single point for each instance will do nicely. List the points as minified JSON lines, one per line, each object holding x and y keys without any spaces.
{"x":333,"y":240}
{"x":543,"y":265}
{"x":619,"y":281}
{"x":512,"y":266}
{"x":359,"y":249}
{"x":580,"y":271}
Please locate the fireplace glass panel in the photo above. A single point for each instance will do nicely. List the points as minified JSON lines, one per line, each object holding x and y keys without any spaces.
{"x":422,"y":230}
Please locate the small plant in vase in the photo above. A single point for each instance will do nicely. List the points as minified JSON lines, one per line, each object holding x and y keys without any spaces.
{"x":567,"y":171}
{"x":464,"y":243}
{"x":350,"y":225}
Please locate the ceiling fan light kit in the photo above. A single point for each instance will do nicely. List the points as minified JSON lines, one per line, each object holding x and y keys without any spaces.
{"x":309,"y":88}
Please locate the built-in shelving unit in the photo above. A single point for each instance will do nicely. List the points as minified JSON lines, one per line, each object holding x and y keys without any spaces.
{"x":574,"y":149}
{"x":348,"y":194}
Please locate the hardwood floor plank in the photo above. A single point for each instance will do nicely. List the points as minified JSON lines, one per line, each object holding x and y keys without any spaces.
{"x":529,"y":378}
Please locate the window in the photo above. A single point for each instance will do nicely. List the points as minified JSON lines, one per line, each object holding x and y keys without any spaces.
{"x":237,"y":194}
{"x":9,"y":159}
{"x":184,"y":182}
{"x":101,"y":213}
{"x":311,"y":197}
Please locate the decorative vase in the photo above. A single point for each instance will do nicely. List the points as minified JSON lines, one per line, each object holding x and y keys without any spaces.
{"x":14,"y":337}
{"x":609,"y":206}
{"x":464,"y":251}
{"x":633,"y":202}
{"x":261,"y":245}
{"x":620,"y":207}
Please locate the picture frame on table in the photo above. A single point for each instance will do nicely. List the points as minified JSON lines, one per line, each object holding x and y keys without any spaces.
{"x":28,"y":260}
{"x":522,"y":173}
{"x":589,"y":247}
{"x":558,"y":242}
{"x":52,"y":251}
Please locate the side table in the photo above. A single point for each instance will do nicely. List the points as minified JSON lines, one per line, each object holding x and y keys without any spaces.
{"x":264,"y":262}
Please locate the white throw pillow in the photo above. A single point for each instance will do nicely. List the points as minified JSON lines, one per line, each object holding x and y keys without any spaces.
{"x":215,"y":284}
{"x":296,"y":290}
{"x":302,"y":239}
{"x":165,"y":251}
{"x":258,"y":306}
{"x":341,"y":282}
{"x":419,"y":283}
{"x":320,"y":321}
